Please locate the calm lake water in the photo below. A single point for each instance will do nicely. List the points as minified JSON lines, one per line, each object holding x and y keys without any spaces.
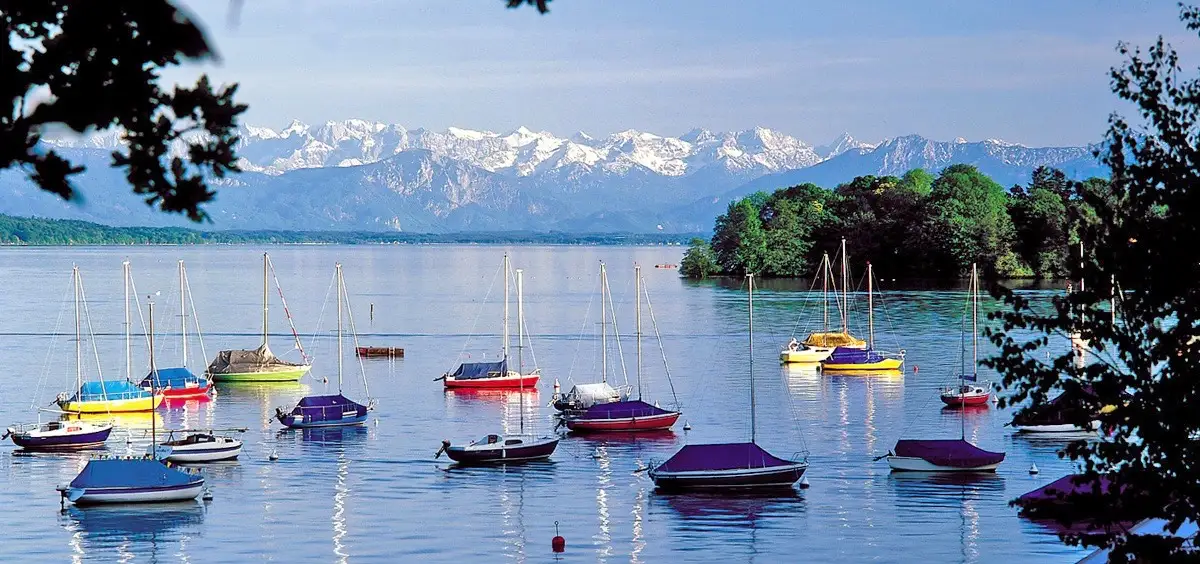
{"x":377,"y":494}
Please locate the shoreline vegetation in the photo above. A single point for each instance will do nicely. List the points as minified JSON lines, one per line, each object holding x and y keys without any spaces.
{"x":33,"y":231}
{"x":916,"y":226}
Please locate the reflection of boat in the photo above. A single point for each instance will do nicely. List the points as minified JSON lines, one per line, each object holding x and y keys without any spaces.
{"x":498,"y":448}
{"x":494,"y":374}
{"x":628,"y":415}
{"x":122,"y":523}
{"x":735,"y":511}
{"x":260,"y":365}
{"x":331,"y":410}
{"x":729,"y":465}
{"x":101,"y":396}
{"x":180,"y":383}
{"x":972,"y":394}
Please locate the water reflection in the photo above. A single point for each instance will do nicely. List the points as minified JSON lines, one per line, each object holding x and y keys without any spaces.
{"x":341,"y":492}
{"x":117,"y":532}
{"x":705,"y":511}
{"x":921,"y":494}
{"x":268,"y":396}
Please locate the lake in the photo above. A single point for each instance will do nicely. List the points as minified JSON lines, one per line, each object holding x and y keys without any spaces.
{"x":376,"y":493}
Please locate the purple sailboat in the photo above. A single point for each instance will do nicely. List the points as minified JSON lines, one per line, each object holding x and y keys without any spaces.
{"x":726,"y":466}
{"x":946,"y":455}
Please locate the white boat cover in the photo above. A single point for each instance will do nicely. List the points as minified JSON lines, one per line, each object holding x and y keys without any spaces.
{"x":588,"y":395}
{"x":249,"y":361}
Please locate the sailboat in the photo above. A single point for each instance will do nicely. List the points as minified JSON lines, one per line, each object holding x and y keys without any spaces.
{"x":946,"y":455}
{"x":972,"y":394}
{"x":178,"y":382}
{"x":102,"y":396}
{"x":584,"y":396}
{"x":260,"y":365}
{"x":492,"y":374}
{"x":819,"y":345}
{"x":851,"y":359}
{"x":729,"y":465}
{"x":331,"y":410}
{"x":500,"y":448}
{"x":132,"y":480}
{"x":629,"y":415}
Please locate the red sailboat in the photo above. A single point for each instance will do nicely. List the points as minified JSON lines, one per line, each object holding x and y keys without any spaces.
{"x":973,"y":394}
{"x":180,"y":383}
{"x":628,"y":415}
{"x":493,"y":374}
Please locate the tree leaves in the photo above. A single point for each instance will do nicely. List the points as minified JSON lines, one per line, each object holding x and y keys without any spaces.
{"x":95,"y":66}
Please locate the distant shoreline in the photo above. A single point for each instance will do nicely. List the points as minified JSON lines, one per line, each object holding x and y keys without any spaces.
{"x":41,"y":232}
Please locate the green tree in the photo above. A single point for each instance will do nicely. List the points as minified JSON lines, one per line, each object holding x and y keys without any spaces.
{"x":739,"y":241}
{"x":881,"y":219}
{"x":1145,"y":235}
{"x":968,"y":222}
{"x":790,"y":217}
{"x":699,"y":261}
{"x":1041,"y":220}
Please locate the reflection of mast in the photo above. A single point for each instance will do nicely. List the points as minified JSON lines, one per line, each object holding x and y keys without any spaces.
{"x":639,"y":539}
{"x":341,"y":492}
{"x":515,"y":538}
{"x":604,"y":481}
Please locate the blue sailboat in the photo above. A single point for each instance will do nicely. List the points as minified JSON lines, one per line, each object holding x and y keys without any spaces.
{"x":334,"y":410}
{"x":869,"y":359}
{"x":132,"y":480}
{"x":729,"y":466}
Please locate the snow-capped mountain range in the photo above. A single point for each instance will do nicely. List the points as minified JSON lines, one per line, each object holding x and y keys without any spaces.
{"x":356,"y":174}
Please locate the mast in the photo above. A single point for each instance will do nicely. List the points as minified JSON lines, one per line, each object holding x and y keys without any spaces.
{"x":128,"y":339}
{"x":825,"y":288}
{"x":1082,"y":313}
{"x":505,"y":347}
{"x":340,"y":289}
{"x":520,"y":341}
{"x":750,"y":289}
{"x":265,"y":259}
{"x":603,"y":324}
{"x":870,"y":308}
{"x":182,"y":315}
{"x":153,"y":379}
{"x":845,"y":291}
{"x":637,"y":289}
{"x":974,"y":322}
{"x":78,"y":338}
{"x":1112,"y":300}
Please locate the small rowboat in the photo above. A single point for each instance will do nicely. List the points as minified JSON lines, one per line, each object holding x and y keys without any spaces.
{"x":387,"y":352}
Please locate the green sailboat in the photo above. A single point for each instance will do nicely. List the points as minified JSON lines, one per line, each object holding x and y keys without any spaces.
{"x":260,"y":365}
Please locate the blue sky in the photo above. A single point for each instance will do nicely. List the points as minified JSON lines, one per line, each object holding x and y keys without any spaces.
{"x":1024,"y":71}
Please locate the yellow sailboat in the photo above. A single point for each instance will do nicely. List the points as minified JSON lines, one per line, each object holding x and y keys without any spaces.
{"x":103,"y":396}
{"x":867,"y":359}
{"x":819,"y":345}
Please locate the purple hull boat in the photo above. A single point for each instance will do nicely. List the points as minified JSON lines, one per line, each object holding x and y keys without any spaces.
{"x":495,"y":449}
{"x":726,"y":466}
{"x":60,"y":435}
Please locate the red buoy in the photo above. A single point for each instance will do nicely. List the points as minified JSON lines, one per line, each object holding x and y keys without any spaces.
{"x":557,"y":544}
{"x":916,"y":369}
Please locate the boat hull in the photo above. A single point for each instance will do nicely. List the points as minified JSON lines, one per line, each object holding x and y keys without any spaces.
{"x":775,"y":477}
{"x":958,"y":400}
{"x":297,"y":422}
{"x":805,"y":356}
{"x":66,"y":441}
{"x":648,"y":423}
{"x":147,"y":403}
{"x":914,"y":464}
{"x":526,"y":381}
{"x":187,"y":392}
{"x":1060,"y":428}
{"x":293,"y":375}
{"x":501,"y":455}
{"x":209,"y":453}
{"x":885,"y":365}
{"x":97,"y":496}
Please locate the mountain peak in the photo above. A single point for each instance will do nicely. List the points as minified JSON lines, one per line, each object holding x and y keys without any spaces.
{"x":296,"y":127}
{"x":841,"y":144}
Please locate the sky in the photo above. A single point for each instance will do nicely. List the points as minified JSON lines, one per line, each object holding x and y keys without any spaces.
{"x":1023,"y":71}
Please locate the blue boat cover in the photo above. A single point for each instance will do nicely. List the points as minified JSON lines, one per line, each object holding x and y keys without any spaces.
{"x":171,"y":378}
{"x":129,"y":473}
{"x":327,"y":408}
{"x":725,"y":456}
{"x":955,"y":453}
{"x":622,"y":410}
{"x":476,"y":370}
{"x":109,"y":390}
{"x":846,"y":355}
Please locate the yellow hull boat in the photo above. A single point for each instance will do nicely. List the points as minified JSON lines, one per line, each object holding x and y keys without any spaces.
{"x":146,"y":403}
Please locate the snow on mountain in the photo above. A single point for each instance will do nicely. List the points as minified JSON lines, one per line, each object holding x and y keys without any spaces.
{"x":841,"y":144}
